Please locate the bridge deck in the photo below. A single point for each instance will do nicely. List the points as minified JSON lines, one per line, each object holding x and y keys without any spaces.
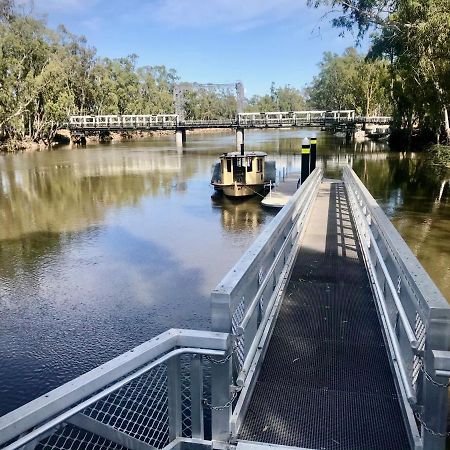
{"x":326,"y":381}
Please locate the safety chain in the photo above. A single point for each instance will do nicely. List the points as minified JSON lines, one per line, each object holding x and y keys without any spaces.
{"x":236,"y":390}
{"x":430,"y":378}
{"x":427,"y":428}
{"x":236,"y":339}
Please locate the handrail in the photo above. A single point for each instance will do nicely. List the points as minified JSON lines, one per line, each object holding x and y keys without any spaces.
{"x":56,"y":401}
{"x":404,"y":318}
{"x":393,"y":338}
{"x":36,"y":433}
{"x":422,"y":364}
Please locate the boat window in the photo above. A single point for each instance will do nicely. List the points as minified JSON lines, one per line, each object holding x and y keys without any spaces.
{"x":228,"y":165}
{"x":249,"y":164}
{"x":259,"y":169}
{"x":239,"y":162}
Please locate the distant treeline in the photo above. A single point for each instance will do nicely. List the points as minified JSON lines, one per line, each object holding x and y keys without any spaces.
{"x":47,"y":75}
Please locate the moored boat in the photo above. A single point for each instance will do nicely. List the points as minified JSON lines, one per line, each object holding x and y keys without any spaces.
{"x":241,"y":174}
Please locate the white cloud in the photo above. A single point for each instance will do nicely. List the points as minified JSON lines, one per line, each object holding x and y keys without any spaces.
{"x":238,"y":15}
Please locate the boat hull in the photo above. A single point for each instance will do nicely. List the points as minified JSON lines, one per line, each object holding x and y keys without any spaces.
{"x":239,"y":190}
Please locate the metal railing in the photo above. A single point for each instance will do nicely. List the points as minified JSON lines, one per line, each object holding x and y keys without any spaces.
{"x":247,"y":300}
{"x":244,"y":120}
{"x":151,"y":397}
{"x":415,"y":319}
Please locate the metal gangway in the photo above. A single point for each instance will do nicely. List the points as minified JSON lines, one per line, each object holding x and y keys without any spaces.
{"x":327,"y":334}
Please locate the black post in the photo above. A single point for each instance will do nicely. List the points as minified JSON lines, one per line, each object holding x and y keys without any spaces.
{"x":242,"y":149}
{"x":313,"y":152}
{"x":305,"y":160}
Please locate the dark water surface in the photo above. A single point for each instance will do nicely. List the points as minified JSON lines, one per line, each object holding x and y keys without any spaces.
{"x":103,"y":248}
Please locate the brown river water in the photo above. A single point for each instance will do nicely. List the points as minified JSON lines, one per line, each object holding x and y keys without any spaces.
{"x":104,"y":247}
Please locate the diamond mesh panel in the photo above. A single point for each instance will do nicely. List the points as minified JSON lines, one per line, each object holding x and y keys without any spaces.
{"x":186,"y":423}
{"x":236,"y":319}
{"x":420,"y":333}
{"x":73,"y":438}
{"x":139,"y":409}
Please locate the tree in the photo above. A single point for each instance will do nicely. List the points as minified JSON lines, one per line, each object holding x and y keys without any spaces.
{"x":286,"y":98}
{"x":415,"y":36}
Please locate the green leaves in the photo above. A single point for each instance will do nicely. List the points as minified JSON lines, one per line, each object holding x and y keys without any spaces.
{"x":414,"y":36}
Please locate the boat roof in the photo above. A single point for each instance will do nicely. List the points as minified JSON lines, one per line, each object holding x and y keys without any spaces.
{"x":238,"y":154}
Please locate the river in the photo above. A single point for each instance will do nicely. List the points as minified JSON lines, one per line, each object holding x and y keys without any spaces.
{"x":102,"y":248}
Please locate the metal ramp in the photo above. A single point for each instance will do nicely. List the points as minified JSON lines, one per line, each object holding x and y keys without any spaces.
{"x":343,"y":344}
{"x":326,"y":381}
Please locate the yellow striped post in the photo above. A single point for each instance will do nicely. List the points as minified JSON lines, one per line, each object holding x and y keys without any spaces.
{"x":313,"y":160}
{"x":306,"y":153}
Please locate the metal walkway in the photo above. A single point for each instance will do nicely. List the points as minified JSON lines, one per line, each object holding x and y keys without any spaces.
{"x":327,"y":334}
{"x":326,"y":380}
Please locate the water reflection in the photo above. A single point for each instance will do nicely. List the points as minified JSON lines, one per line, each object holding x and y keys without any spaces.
{"x":240,"y":215}
{"x":414,"y":193}
{"x":102,"y":248}
{"x":76,"y":191}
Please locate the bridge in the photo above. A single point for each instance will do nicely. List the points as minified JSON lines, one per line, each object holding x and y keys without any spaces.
{"x":343,"y":119}
{"x":327,"y":333}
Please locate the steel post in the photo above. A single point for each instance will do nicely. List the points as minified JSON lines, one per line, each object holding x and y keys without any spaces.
{"x":305,"y":168}
{"x":313,"y":142}
{"x":434,"y":393}
{"x":221,"y":408}
{"x":197,"y":426}
{"x":174,"y":396}
{"x":239,"y":137}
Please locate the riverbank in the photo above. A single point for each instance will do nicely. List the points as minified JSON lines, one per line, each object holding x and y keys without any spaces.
{"x":63,"y":137}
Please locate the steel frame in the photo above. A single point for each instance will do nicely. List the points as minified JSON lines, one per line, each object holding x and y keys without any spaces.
{"x":406,"y":297}
{"x":33,"y":421}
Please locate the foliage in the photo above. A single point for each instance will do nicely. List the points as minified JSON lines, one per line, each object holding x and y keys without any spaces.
{"x":207,"y":104}
{"x":280,"y":98}
{"x":46,"y":76}
{"x":414,"y":37}
{"x":350,"y":82}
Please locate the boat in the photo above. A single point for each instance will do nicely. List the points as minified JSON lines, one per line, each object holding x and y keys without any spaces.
{"x":242,"y":174}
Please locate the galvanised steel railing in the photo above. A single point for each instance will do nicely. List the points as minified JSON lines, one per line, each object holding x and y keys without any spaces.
{"x":247,"y":300}
{"x":151,"y":397}
{"x":415,"y":318}
{"x":180,"y":388}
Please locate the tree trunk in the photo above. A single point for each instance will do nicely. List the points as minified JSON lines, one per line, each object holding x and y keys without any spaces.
{"x":446,"y":125}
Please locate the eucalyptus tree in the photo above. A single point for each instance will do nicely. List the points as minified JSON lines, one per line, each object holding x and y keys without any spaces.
{"x":415,"y":37}
{"x":281,"y":98}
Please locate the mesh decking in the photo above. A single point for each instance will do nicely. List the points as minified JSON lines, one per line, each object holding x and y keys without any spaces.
{"x":326,"y":382}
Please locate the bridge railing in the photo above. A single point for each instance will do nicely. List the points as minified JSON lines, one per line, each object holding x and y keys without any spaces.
{"x":248,"y":120}
{"x":415,"y":318}
{"x":151,"y":397}
{"x":246,"y":302}
{"x":374,"y":119}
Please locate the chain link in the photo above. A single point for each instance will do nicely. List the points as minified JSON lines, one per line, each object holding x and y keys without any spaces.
{"x":430,"y":378}
{"x":236,"y":390}
{"x":234,"y":349}
{"x":427,"y":428}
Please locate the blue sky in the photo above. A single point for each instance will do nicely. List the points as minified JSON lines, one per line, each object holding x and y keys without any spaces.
{"x":255,"y":41}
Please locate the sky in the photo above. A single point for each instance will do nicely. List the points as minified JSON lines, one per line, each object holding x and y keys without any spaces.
{"x":217,"y":41}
